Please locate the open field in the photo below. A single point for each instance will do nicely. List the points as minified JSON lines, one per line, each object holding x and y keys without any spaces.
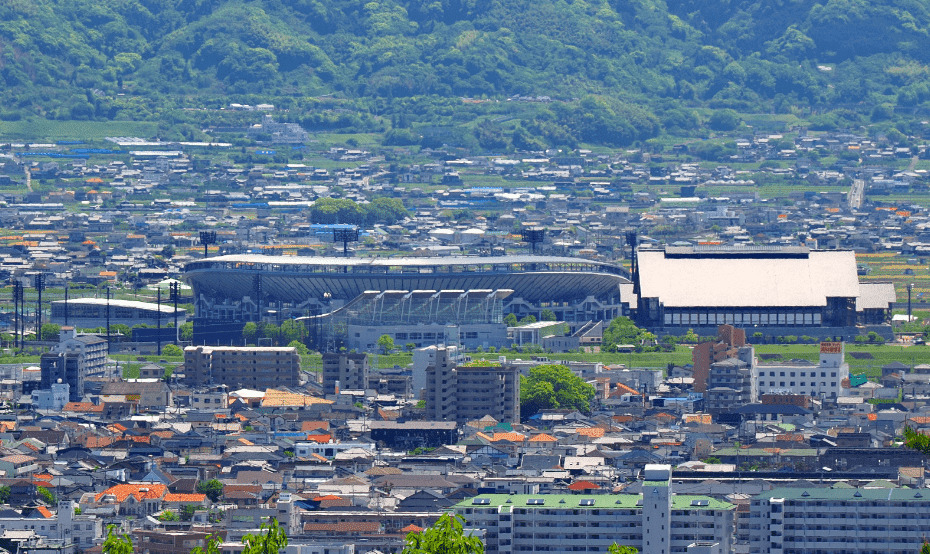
{"x":53,"y":130}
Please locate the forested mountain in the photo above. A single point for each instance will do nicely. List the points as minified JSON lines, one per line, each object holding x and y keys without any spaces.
{"x":636,"y":65}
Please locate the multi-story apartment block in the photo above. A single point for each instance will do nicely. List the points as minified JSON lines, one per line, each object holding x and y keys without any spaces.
{"x":839,"y":521}
{"x":348,"y":370}
{"x":730,"y":383}
{"x":248,"y":366}
{"x":466,"y":393}
{"x":821,"y":380}
{"x":72,"y":360}
{"x":655,"y":522}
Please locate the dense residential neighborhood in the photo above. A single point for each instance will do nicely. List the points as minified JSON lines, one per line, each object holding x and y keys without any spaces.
{"x":150,"y":395}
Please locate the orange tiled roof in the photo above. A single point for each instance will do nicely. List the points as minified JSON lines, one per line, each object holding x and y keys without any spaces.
{"x":921,"y":420}
{"x":44,"y":511}
{"x":623,"y":389}
{"x":82,"y":407}
{"x":582,"y":486}
{"x":314,"y":425}
{"x":180,"y":497}
{"x":512,"y":437}
{"x":6,"y":426}
{"x":412,"y":529}
{"x":592,"y":432}
{"x":327,"y":497}
{"x":98,"y":442}
{"x":279,"y":398}
{"x":542,"y":437}
{"x":139,"y":490}
{"x":144,"y":439}
{"x":163,"y":434}
{"x":320,"y":438}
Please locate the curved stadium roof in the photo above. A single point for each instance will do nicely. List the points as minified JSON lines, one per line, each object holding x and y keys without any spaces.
{"x":298,"y":278}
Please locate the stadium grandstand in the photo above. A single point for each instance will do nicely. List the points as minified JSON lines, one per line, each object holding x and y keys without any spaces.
{"x":231,"y":290}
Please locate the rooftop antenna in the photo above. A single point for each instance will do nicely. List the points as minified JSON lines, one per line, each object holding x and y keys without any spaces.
{"x":534,"y":236}
{"x":345,"y":235}
{"x":206,"y":239}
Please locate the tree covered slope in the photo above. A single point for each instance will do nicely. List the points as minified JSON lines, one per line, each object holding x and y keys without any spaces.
{"x":638,"y":58}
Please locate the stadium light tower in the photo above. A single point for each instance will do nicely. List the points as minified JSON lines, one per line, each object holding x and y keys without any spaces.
{"x":206,"y":239}
{"x":534,"y":236}
{"x":345,"y":235}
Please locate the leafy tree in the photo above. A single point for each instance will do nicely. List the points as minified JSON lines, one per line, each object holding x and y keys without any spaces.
{"x":510,"y":320}
{"x":212,"y":546}
{"x":617,"y":549}
{"x":186,"y":333}
{"x":119,"y":329}
{"x":187,"y":512}
{"x":167,"y":251}
{"x":386,"y":343}
{"x":4,"y":494}
{"x":446,"y":536}
{"x":168,"y":515}
{"x":172,"y":350}
{"x":250,"y":332}
{"x":50,"y":331}
{"x":925,"y":549}
{"x":46,"y":495}
{"x":409,"y":347}
{"x":528,"y":319}
{"x":302,"y":349}
{"x":554,"y":387}
{"x":271,"y":540}
{"x":116,"y":543}
{"x":547,"y":315}
{"x":212,"y":488}
{"x":622,"y":331}
{"x":916,"y":441}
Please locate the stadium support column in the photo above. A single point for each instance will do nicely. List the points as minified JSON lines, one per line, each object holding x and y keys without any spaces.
{"x":257,"y":287}
{"x":67,"y":288}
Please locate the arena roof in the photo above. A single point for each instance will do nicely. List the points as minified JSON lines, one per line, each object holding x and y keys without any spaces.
{"x":757,"y":278}
{"x":114,"y":303}
{"x":297,"y":278}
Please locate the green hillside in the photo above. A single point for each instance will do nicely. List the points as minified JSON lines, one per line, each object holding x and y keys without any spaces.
{"x":616,"y":71}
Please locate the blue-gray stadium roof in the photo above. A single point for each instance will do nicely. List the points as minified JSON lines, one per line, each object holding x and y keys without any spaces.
{"x":297,"y":278}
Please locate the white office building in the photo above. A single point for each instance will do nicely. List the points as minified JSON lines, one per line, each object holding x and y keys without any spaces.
{"x":820,"y":380}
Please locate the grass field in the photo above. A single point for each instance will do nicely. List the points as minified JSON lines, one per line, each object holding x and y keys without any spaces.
{"x":41,"y":130}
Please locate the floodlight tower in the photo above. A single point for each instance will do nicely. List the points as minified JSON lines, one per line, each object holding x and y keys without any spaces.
{"x":534,"y":236}
{"x":206,"y":239}
{"x":345,"y":235}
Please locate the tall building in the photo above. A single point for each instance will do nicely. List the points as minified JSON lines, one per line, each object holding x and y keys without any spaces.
{"x":72,"y":360}
{"x":729,"y":340}
{"x":807,"y":520}
{"x":345,"y":371}
{"x":730,"y":383}
{"x":656,"y":521}
{"x":247,"y":366}
{"x":470,"y":392}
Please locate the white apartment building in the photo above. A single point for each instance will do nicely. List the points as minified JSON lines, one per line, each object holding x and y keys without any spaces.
{"x":839,"y":521}
{"x":655,"y":522}
{"x":820,"y":380}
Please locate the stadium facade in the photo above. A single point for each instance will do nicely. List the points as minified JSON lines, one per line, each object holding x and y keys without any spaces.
{"x":234,"y":289}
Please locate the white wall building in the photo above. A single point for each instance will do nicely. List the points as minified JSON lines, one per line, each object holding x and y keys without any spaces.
{"x":821,"y":380}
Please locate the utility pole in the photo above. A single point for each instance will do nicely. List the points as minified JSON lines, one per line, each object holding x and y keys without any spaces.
{"x":108,"y":319}
{"x":158,"y":324}
{"x":39,"y":286}
{"x":174,"y":295}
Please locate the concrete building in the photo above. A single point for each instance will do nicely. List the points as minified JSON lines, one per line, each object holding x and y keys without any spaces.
{"x":427,"y":356}
{"x":821,"y":380}
{"x":72,"y":360}
{"x":466,"y":393}
{"x":839,"y":520}
{"x":53,"y":399}
{"x":345,"y":371}
{"x":655,"y":522}
{"x":247,"y":366}
{"x":730,"y":383}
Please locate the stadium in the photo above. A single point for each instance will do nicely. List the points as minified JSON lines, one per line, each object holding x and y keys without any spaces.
{"x":234,"y":289}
